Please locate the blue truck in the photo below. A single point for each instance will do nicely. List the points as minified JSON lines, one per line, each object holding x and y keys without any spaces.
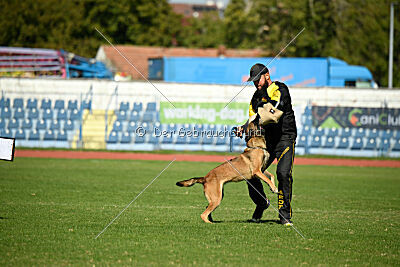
{"x":300,"y":72}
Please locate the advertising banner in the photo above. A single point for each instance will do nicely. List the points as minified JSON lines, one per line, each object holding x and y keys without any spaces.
{"x":356,"y":117}
{"x":204,"y":113}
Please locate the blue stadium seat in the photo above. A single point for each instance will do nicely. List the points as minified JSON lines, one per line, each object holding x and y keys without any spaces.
{"x":68,"y":125}
{"x":167,"y":139}
{"x":113,"y":138}
{"x":329,"y":142}
{"x":306,"y":131}
{"x":124,"y":106}
{"x":384,"y":144}
{"x":32,"y":103}
{"x":5,"y":103}
{"x":61,"y":115}
{"x":59,"y":104}
{"x":308,"y":121}
{"x":122,"y":116}
{"x":371,"y":144}
{"x":209,"y":140}
{"x":194,"y":140}
{"x":33,"y":135}
{"x":27,"y":124}
{"x":360,"y":133}
{"x":18,"y":103}
{"x":154,"y":139}
{"x":13,"y":124}
{"x":135,"y":116}
{"x":2,"y":124}
{"x":146,"y":126}
{"x":55,"y":125}
{"x":358,"y":144}
{"x":33,"y":113}
{"x":46,"y":104}
{"x":117,"y":126}
{"x":343,"y":143}
{"x":396,"y":134}
{"x":139,"y":139}
{"x":74,"y":115}
{"x":49,"y":135}
{"x":6,"y":133}
{"x":132,"y":126}
{"x":302,"y":141}
{"x":222,"y":140}
{"x":396,"y":146}
{"x":47,"y":114}
{"x":61,"y":136}
{"x":386,"y":134}
{"x":346,"y":132}
{"x":319,"y":132}
{"x":6,"y":113}
{"x":41,"y":125}
{"x":72,"y":104}
{"x":316,"y":141}
{"x":333,"y":132}
{"x":137,"y":107}
{"x":20,"y":135}
{"x":307,"y":110}
{"x":126,"y":138}
{"x":373,"y":133}
{"x":151,"y":106}
{"x":148,"y":117}
{"x":19,"y":113}
{"x":180,"y":140}
{"x":172,"y":127}
{"x":87,"y":104}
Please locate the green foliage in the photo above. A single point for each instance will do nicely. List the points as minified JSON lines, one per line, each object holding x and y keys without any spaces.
{"x":356,"y":31}
{"x":52,"y":209}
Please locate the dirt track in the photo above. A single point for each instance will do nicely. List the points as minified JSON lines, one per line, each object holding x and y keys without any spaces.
{"x":188,"y":157}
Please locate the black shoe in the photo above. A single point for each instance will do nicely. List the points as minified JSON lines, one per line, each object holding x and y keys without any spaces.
{"x":286,"y":222}
{"x":259,"y":212}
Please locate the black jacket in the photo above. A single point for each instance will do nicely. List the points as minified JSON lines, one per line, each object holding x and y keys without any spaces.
{"x":285,"y":129}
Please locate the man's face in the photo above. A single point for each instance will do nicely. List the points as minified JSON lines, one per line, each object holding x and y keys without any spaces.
{"x":262,"y":82}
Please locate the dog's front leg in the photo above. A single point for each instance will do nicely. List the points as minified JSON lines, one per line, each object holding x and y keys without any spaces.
{"x":262,"y":176}
{"x":270,"y":176}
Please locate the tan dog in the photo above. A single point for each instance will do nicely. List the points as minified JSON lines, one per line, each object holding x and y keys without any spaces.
{"x":250,"y":165}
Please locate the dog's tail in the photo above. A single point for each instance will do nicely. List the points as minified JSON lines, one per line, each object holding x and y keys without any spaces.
{"x":191,"y":181}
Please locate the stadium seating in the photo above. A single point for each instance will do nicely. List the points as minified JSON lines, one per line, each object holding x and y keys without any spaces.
{"x":137,"y":107}
{"x":6,"y":133}
{"x":396,"y":146}
{"x":2,"y":124}
{"x":87,"y":104}
{"x":33,"y":114}
{"x":49,"y":135}
{"x":4,"y":103}
{"x":357,"y":144}
{"x":343,"y":143}
{"x":6,"y":113}
{"x":359,"y":133}
{"x":59,"y":104}
{"x":46,"y":104}
{"x":19,"y":113}
{"x":13,"y":124}
{"x":32,"y":103}
{"x":373,"y":133}
{"x":20,"y":135}
{"x":371,"y":144}
{"x":27,"y":124}
{"x":72,"y":104}
{"x":126,"y":138}
{"x":124,"y":106}
{"x":333,"y":132}
{"x":346,"y":132}
{"x":384,"y":144}
{"x":329,"y":142}
{"x":61,"y":114}
{"x":62,"y":136}
{"x":33,"y":135}
{"x":18,"y":103}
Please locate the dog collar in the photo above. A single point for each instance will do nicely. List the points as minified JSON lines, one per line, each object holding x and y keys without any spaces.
{"x":257,"y":147}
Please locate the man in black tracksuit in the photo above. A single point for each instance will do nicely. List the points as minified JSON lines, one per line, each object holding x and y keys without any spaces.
{"x":280,"y":138}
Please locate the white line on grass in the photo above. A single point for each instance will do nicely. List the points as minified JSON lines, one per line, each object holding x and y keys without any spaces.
{"x":130,"y":63}
{"x":247,"y":82}
{"x":135,"y":198}
{"x":264,"y":197}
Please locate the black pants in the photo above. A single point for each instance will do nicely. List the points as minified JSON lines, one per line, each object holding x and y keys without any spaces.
{"x":284,"y":153}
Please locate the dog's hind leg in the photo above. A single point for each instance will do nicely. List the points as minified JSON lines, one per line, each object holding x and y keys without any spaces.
{"x":213,"y":193}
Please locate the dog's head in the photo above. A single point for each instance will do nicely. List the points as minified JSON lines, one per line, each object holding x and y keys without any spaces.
{"x":255,"y":133}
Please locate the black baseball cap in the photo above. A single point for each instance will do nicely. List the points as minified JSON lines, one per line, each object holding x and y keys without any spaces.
{"x":256,"y":71}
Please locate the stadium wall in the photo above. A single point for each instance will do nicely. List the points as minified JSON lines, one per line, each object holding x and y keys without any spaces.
{"x":310,"y":105}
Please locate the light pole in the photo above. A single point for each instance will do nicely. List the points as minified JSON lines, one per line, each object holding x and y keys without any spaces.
{"x":391,"y":31}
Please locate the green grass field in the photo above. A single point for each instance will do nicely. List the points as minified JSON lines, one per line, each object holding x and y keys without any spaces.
{"x":52,"y":209}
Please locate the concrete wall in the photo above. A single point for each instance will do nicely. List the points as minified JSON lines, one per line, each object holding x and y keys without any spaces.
{"x":144,"y":92}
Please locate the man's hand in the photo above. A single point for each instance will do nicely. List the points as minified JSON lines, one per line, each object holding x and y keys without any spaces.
{"x":238,"y":131}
